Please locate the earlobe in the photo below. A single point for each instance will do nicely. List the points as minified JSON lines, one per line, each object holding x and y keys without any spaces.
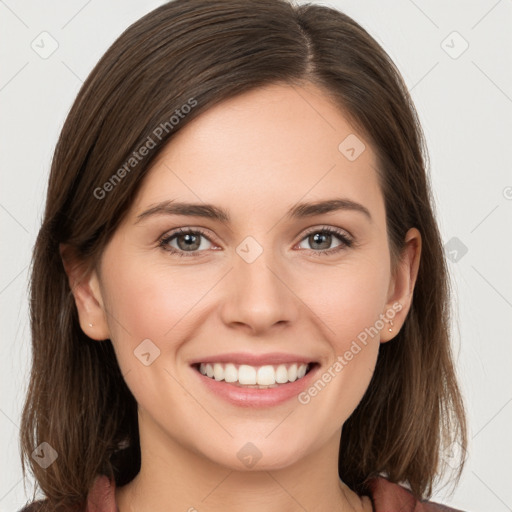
{"x":402,"y":285}
{"x":84,"y":285}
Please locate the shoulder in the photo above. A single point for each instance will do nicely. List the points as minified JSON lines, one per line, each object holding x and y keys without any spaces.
{"x":101,"y":497}
{"x":387,"y":496}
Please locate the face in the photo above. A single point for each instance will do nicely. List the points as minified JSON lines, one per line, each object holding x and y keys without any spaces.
{"x":262,"y":284}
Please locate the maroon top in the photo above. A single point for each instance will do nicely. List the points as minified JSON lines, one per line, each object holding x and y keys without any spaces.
{"x":385,"y":497}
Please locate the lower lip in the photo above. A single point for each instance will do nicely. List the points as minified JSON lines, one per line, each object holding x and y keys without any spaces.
{"x":253,"y":397}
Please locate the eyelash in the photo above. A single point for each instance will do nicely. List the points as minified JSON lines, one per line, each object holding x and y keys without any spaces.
{"x":346,"y":241}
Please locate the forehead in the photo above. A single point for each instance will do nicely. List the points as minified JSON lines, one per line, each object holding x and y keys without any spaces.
{"x":271,"y":146}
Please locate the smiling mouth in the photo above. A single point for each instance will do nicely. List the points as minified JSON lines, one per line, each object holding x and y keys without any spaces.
{"x":257,"y":377}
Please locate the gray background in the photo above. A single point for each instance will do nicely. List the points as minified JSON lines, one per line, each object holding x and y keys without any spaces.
{"x":464,"y":99}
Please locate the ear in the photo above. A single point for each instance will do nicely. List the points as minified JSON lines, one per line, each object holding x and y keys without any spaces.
{"x":401,"y":287}
{"x":86,"y":290}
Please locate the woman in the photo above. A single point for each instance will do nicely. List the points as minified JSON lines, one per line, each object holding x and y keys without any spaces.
{"x":239,"y":297}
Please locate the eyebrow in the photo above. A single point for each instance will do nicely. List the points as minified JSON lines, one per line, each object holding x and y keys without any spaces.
{"x":210,"y":211}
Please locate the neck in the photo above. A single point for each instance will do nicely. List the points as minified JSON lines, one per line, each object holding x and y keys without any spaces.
{"x":175,"y":478}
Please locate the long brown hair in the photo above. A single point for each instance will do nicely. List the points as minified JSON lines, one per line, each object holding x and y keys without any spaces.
{"x":199,"y":53}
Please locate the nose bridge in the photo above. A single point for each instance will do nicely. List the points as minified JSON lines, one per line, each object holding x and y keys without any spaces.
{"x":259,"y":298}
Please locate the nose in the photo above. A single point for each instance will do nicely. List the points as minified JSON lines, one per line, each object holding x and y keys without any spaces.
{"x":259,"y":296}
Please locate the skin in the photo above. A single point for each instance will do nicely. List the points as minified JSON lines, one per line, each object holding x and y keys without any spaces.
{"x":255,"y":155}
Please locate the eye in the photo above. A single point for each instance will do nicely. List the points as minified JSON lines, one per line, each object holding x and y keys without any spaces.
{"x":321,"y":238}
{"x":187,"y":240}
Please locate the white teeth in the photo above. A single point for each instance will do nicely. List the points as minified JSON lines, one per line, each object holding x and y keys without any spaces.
{"x":218,"y":372}
{"x":292,"y":373}
{"x":252,"y":376}
{"x":281,"y":374}
{"x":266,"y":376}
{"x":246,"y":374}
{"x":230,"y":373}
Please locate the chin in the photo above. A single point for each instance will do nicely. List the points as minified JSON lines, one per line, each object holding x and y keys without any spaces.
{"x":255,"y":453}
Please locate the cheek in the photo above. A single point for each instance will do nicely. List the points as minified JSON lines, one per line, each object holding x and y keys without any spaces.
{"x":149,"y":311}
{"x":157,"y":303}
{"x":150,"y":300}
{"x":348,"y":299}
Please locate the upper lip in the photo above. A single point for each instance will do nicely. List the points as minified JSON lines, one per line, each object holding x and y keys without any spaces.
{"x":254,"y":359}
